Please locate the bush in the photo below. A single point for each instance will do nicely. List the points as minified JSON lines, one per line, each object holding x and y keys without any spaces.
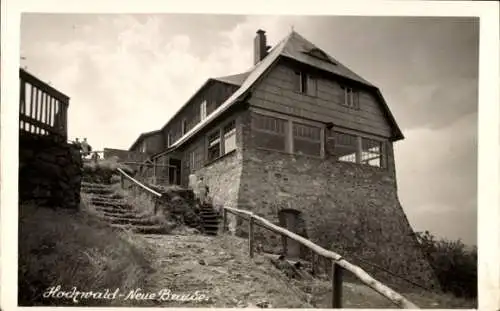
{"x":73,"y":249}
{"x":454,"y":263}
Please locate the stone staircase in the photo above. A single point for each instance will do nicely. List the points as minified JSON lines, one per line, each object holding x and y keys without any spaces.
{"x":113,"y":209}
{"x":210,"y":219}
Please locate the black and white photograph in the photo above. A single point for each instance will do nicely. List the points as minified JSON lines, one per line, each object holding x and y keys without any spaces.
{"x":240,"y":160}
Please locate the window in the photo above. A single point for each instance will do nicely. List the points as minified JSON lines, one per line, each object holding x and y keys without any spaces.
{"x":269,"y":132}
{"x":356,"y":149}
{"x":229,"y":137}
{"x":184,"y":126}
{"x":371,"y":152}
{"x":169,"y":139}
{"x":203,"y":110}
{"x":304,"y":83}
{"x":346,"y":147}
{"x":143,"y":147}
{"x":214,"y":146}
{"x":349,"y":97}
{"x":306,"y":139}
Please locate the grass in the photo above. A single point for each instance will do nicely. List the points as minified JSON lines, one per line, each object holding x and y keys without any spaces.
{"x":72,"y":249}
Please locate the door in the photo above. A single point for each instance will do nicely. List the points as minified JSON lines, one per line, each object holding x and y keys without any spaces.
{"x":174,"y":172}
{"x":289,"y":219}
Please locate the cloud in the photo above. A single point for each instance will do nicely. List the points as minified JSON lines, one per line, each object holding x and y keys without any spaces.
{"x":437,"y":177}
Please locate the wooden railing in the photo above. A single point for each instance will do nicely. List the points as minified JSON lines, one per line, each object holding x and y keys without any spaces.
{"x":138,"y":185}
{"x":42,"y":109}
{"x":338,"y":263}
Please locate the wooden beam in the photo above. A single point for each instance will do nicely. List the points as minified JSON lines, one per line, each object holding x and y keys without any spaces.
{"x":364,"y":277}
{"x":336,"y":285}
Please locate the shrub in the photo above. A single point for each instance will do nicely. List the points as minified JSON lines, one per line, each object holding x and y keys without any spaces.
{"x":454,"y":263}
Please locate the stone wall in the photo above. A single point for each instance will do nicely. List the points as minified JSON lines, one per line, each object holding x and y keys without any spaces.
{"x":50,"y":172}
{"x":348,"y":208}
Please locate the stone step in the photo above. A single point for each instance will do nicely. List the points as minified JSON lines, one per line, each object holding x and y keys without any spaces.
{"x":207,"y":226}
{"x":111,"y":203}
{"x":113,"y":209}
{"x":130,"y":221}
{"x":119,"y":213}
{"x":156,"y":229}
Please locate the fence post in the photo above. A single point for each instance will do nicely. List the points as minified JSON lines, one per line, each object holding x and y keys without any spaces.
{"x":122,"y":182}
{"x":313,"y":263}
{"x":336,"y":285}
{"x":285,"y":244}
{"x":155,"y":199}
{"x":224,"y":219}
{"x":250,"y":237}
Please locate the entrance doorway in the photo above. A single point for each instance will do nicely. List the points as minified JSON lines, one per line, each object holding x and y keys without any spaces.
{"x":174,"y":172}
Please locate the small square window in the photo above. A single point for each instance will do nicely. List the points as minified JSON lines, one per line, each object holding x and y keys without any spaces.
{"x":214,"y":146}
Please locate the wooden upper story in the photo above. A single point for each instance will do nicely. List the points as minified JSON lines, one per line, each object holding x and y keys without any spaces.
{"x":304,"y":92}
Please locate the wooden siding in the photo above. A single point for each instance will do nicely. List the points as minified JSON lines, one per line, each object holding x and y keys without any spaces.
{"x":215,"y":94}
{"x":276,"y":92}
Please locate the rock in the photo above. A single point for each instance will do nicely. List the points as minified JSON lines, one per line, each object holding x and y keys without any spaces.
{"x":202,"y":262}
{"x":263,"y":304}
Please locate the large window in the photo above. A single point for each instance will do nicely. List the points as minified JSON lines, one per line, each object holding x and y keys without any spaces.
{"x":304,"y":83}
{"x":306,"y":139}
{"x":229,"y":137}
{"x":269,"y":132}
{"x":371,"y":152}
{"x":346,"y":147}
{"x":357,"y":149}
{"x":214,"y":146}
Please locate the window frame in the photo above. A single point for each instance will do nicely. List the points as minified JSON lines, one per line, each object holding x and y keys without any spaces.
{"x":350,"y":97}
{"x":359,"y":147}
{"x":219,"y":131}
{"x":303,"y":83}
{"x":203,"y":110}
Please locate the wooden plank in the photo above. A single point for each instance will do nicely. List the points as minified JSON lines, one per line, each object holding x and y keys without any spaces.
{"x":45,"y":105}
{"x":137,"y":183}
{"x":51,"y":106}
{"x":364,"y":277}
{"x":32,"y":101}
{"x":250,"y":237}
{"x":336,"y":286}
{"x":22,"y":97}
{"x":326,"y":107}
{"x":29,"y":78}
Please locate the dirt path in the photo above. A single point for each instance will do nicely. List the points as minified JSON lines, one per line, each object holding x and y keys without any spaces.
{"x":219,"y":268}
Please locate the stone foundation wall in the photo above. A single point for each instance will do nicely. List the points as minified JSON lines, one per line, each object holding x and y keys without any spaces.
{"x":347,"y":208}
{"x":50,"y":172}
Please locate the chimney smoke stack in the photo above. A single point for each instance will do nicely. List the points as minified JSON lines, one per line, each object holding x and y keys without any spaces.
{"x":260,"y":46}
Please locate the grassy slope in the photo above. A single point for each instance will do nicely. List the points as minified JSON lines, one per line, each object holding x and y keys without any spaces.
{"x":73,"y":249}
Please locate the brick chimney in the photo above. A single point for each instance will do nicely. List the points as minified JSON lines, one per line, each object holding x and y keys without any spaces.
{"x":260,"y":46}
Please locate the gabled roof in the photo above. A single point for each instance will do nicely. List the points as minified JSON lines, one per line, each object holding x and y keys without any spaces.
{"x":142,"y":136}
{"x":237,"y":79}
{"x":296,"y":47}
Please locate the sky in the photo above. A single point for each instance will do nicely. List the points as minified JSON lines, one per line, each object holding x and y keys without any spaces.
{"x":128,"y":74}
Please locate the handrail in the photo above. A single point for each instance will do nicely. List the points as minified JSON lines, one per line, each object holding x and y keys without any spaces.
{"x":42,"y":109}
{"x":379,"y":287}
{"x":139,"y":183}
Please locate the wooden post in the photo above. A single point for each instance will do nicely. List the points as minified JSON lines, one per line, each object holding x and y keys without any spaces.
{"x":250,"y":236}
{"x":285,"y":244}
{"x":122,"y":182}
{"x":155,"y":199}
{"x":336,"y":285}
{"x":224,"y":219}
{"x":313,"y":263}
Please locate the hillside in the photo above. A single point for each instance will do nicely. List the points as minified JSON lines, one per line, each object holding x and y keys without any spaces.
{"x":188,"y":269}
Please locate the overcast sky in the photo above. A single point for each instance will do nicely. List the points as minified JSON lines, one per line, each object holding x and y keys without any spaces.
{"x":128,"y":74}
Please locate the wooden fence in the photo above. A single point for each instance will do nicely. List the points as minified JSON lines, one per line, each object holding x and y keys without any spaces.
{"x":338,"y":263}
{"x":42,"y":109}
